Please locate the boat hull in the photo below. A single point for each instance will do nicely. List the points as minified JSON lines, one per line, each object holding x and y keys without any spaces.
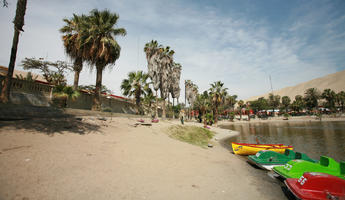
{"x":268,"y":159}
{"x":312,"y":186}
{"x":252,"y":149}
{"x":296,"y":168}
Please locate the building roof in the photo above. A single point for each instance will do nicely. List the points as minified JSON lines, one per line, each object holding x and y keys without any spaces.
{"x":37,"y":77}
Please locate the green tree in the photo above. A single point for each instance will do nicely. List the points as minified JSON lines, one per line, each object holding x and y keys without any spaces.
{"x":149,"y":99}
{"x":231,"y":101}
{"x":274,"y":101}
{"x":101,"y":48}
{"x":135,"y":86}
{"x":217,"y":94}
{"x":298,"y":104}
{"x":71,"y":38}
{"x":286,"y":102}
{"x":341,"y":100}
{"x":203,"y":105}
{"x":330,"y":97}
{"x":259,"y":104}
{"x":92,"y":88}
{"x":18,"y":27}
{"x":311,"y":97}
{"x":240,"y":105}
{"x":53,"y":72}
{"x":65,"y":91}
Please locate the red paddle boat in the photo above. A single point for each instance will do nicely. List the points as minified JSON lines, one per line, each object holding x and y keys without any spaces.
{"x":314,"y":185}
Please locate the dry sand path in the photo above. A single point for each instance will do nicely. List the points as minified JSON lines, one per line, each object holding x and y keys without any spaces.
{"x":50,"y":159}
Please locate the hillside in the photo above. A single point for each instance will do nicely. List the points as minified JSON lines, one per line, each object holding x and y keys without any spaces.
{"x":335,"y":81}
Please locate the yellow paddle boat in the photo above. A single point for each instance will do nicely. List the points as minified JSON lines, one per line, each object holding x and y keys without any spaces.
{"x":252,"y":149}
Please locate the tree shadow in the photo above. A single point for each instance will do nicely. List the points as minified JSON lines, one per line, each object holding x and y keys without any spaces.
{"x":47,"y":120}
{"x":51,"y":126}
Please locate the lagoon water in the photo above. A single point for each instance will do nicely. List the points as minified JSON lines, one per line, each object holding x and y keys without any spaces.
{"x":313,"y":138}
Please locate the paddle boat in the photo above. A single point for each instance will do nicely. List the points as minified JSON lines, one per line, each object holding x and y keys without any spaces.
{"x":296,"y":168}
{"x":314,"y":185}
{"x":155,"y":120}
{"x":267,"y":159}
{"x":252,"y":149}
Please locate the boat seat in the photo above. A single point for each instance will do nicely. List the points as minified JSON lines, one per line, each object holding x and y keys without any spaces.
{"x":298,"y":155}
{"x":342,"y":167}
{"x":324,"y":161}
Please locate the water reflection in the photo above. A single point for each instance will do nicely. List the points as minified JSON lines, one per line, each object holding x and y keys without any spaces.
{"x":313,"y":138}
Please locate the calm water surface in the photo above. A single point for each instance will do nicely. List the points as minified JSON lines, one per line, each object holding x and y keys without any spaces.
{"x":312,"y":138}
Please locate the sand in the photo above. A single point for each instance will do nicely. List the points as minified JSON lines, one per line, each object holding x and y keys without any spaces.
{"x":96,"y":159}
{"x":335,"y":81}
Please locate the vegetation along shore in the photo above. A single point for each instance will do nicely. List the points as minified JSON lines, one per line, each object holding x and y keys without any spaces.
{"x":154,"y":139}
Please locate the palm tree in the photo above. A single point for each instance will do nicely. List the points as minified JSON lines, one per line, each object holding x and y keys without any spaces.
{"x":166,"y":62}
{"x":101,"y":48}
{"x":286,"y":102}
{"x":152,"y":50}
{"x":298,"y":104}
{"x":191,"y":92}
{"x":330,"y":96}
{"x":149,"y":100}
{"x":231,"y":101}
{"x":73,"y":46}
{"x":203,"y":105}
{"x":274,"y":101}
{"x":175,"y":81}
{"x":217,"y":94}
{"x":18,"y":27}
{"x":136,"y":86}
{"x":341,"y":99}
{"x":160,"y":61}
{"x":311,"y":97}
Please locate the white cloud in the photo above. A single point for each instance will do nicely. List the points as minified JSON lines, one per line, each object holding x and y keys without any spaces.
{"x":239,"y":50}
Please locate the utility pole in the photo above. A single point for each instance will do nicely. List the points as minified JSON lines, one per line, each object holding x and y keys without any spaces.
{"x":271,"y":84}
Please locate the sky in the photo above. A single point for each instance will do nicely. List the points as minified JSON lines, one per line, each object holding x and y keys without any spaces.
{"x":239,"y":42}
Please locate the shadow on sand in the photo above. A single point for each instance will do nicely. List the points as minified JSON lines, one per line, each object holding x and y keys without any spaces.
{"x":53,"y":126}
{"x":47,"y":120}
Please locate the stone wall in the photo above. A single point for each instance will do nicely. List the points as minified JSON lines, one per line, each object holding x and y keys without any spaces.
{"x":38,"y":94}
{"x":29,"y":93}
{"x":84,"y":101}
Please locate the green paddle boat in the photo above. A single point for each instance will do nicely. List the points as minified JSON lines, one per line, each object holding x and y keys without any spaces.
{"x":296,"y":168}
{"x":268,"y":159}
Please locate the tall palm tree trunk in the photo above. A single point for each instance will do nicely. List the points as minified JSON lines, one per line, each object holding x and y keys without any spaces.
{"x":76,"y":80}
{"x":163,"y":106}
{"x":97,"y":96}
{"x":18,"y":26}
{"x":216,"y":116}
{"x":156,"y":114}
{"x":78,"y":66}
{"x":173,"y":112}
{"x":168,"y":104}
{"x":137,"y":102}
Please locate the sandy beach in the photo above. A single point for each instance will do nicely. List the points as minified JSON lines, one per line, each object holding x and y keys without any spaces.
{"x":89,"y":158}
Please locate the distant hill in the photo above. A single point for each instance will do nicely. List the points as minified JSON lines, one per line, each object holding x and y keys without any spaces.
{"x":334,"y":81}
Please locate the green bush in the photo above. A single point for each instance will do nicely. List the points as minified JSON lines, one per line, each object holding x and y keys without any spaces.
{"x":191,"y":134}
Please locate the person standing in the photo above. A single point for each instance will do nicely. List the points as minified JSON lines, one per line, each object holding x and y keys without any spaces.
{"x":182,"y":116}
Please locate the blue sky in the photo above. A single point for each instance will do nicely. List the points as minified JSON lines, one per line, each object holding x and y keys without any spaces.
{"x":237,"y":42}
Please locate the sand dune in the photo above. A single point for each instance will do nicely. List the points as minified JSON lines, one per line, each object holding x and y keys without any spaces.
{"x":334,"y":81}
